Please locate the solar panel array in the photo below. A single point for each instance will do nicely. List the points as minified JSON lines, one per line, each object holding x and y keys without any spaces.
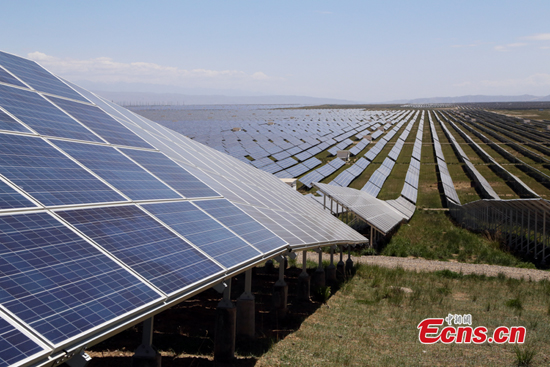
{"x":107,"y":217}
{"x":322,"y":172}
{"x":410,"y":188}
{"x":262,"y":138}
{"x":474,"y":174}
{"x":444,"y":175}
{"x":377,"y":179}
{"x":518,"y":185}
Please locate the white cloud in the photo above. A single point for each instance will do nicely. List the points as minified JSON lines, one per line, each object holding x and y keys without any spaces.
{"x":539,"y":37}
{"x":106,"y":70}
{"x":510,"y":45}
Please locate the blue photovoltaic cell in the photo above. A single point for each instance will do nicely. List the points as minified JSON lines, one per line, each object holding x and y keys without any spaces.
{"x":9,"y":198}
{"x":48,"y":175}
{"x":14,"y":345}
{"x":5,"y":77}
{"x":119,"y":171}
{"x":41,"y":115}
{"x":204,"y":232}
{"x":242,"y":224}
{"x":8,"y":123}
{"x":145,"y":245}
{"x":170,"y":172}
{"x":58,"y":283}
{"x":37,"y":77}
{"x":101,"y":123}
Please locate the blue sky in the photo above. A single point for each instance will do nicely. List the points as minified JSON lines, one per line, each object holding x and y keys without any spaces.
{"x":367,"y":51}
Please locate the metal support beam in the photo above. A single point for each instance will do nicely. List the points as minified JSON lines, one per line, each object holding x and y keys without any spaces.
{"x":146,"y":354}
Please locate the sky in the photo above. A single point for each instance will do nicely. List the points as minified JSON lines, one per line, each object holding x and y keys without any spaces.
{"x":365,"y":51}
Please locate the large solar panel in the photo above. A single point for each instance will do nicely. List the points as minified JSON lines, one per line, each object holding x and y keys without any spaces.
{"x":204,"y":232}
{"x":119,"y":171}
{"x":145,"y":245}
{"x":48,"y":175}
{"x":58,"y":283}
{"x":42,"y":116}
{"x":36,"y":76}
{"x":171,"y":173}
{"x":82,"y":272}
{"x":101,"y":123}
{"x":242,"y":224}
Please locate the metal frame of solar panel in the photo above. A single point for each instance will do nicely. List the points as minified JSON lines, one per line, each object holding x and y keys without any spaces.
{"x":90,"y":246}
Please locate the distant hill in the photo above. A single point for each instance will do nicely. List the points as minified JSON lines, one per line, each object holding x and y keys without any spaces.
{"x":179,"y":98}
{"x":475,"y":99}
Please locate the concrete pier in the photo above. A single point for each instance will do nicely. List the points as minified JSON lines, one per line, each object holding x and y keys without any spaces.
{"x":341,"y":266}
{"x":331,"y":269}
{"x":318,"y":279}
{"x":246,"y":316}
{"x":146,"y":354}
{"x":303,"y":293}
{"x":349,"y":262}
{"x":225,"y":333}
{"x":280,"y":292}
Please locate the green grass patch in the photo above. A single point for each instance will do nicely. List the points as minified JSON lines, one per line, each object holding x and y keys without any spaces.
{"x":372,"y":321}
{"x":431,"y":235}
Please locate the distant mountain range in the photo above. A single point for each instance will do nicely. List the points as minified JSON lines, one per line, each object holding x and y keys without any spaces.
{"x":129,"y":98}
{"x":179,"y":99}
{"x":474,"y":99}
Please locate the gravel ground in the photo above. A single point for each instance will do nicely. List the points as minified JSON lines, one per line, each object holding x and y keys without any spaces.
{"x":434,"y":265}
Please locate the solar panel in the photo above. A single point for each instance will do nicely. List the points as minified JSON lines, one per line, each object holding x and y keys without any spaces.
{"x":6,"y":77}
{"x":171,"y":173}
{"x":242,"y":224}
{"x":42,"y":116}
{"x":410,"y":192}
{"x":143,"y":244}
{"x":48,"y":175}
{"x":9,"y":198}
{"x":8,"y":123}
{"x":204,"y":232}
{"x":101,"y":123}
{"x":58,"y":283}
{"x":37,"y":77}
{"x":119,"y":171}
{"x":15,"y":346}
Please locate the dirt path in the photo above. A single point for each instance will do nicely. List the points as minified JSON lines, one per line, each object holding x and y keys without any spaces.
{"x":434,"y":265}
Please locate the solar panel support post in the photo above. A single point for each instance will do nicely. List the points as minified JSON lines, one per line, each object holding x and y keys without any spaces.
{"x":303,"y":292}
{"x":280,"y":291}
{"x":225,"y":332}
{"x":331,"y":269}
{"x":146,"y":354}
{"x":349,"y":262}
{"x":341,"y":266}
{"x":246,"y":309}
{"x":80,"y":360}
{"x":318,"y":280}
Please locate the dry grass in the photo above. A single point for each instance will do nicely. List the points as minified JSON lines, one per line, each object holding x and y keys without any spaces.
{"x":370,"y":322}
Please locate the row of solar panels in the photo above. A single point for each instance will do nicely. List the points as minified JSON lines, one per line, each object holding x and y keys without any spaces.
{"x":518,"y":186}
{"x":322,"y":172}
{"x":444,"y":175}
{"x":377,"y":179}
{"x":347,"y":176}
{"x":358,"y":148}
{"x":107,"y":218}
{"x":410,"y":187}
{"x":474,"y":174}
{"x":492,"y":130}
{"x":299,"y":169}
{"x":340,"y":146}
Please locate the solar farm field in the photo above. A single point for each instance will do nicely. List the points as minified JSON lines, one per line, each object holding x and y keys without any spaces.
{"x":475,"y":163}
